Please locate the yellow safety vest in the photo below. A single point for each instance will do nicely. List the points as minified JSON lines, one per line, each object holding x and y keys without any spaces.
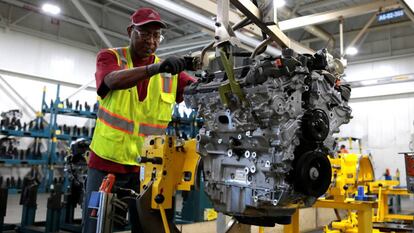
{"x":124,"y":121}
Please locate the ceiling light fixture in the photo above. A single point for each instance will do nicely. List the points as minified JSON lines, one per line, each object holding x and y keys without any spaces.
{"x":351,"y":51}
{"x":51,"y":8}
{"x":410,"y":4}
{"x":279,"y":3}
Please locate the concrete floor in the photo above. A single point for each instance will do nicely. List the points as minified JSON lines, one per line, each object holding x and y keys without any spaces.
{"x":307,"y":218}
{"x":14,"y":210}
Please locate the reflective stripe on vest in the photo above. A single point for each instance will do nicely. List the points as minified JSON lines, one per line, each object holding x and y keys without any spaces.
{"x":115,"y":121}
{"x":121,"y":56}
{"x":151,"y":129}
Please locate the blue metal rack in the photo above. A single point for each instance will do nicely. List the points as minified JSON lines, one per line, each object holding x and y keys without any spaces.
{"x":57,"y":108}
{"x":51,"y":132}
{"x":29,"y":159}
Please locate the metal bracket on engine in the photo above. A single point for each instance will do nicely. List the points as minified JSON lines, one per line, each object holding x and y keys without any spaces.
{"x":233,"y":86}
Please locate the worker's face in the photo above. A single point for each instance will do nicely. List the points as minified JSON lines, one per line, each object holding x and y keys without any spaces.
{"x":144,"y":39}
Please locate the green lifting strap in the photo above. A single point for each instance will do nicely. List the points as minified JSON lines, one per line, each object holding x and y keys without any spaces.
{"x":232,"y":86}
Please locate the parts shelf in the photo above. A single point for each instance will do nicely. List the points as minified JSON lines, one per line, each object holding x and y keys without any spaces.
{"x":51,"y":132}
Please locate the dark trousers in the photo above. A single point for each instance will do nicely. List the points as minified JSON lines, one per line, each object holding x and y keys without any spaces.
{"x":93,"y":182}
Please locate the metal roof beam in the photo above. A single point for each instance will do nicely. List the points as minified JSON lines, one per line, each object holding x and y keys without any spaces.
{"x":318,"y":4}
{"x":187,"y":37}
{"x":68,"y":19}
{"x":92,"y":22}
{"x":21,"y":18}
{"x":370,"y":29}
{"x":362,"y":32}
{"x":206,"y":22}
{"x":132,"y":9}
{"x":47,"y":36}
{"x":175,"y":45}
{"x":333,"y":15}
{"x":312,"y":29}
{"x":235,"y":17}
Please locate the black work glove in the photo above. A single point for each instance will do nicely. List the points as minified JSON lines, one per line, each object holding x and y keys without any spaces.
{"x":173,"y":65}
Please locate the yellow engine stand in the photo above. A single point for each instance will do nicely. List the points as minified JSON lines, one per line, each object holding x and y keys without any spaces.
{"x":348,"y":225}
{"x":177,"y":170}
{"x":169,"y":165}
{"x":348,"y":172}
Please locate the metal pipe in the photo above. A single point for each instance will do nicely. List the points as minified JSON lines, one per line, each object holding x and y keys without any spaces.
{"x":95,"y":27}
{"x":181,"y":50}
{"x":18,"y":95}
{"x":81,"y":88}
{"x":187,"y":37}
{"x":363,"y":30}
{"x":168,"y":46}
{"x":341,"y":36}
{"x":261,"y":47}
{"x":43,"y":79}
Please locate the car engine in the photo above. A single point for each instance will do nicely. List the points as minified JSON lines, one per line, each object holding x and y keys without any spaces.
{"x":264,"y":144}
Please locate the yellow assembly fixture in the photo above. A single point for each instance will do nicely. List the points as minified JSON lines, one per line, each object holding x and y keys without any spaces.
{"x":348,"y":172}
{"x":348,"y":225}
{"x":175,"y":170}
{"x":168,"y":164}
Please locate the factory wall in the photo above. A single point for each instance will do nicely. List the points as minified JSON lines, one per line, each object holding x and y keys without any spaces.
{"x":27,"y":55}
{"x":24,"y":61}
{"x":383,"y":114}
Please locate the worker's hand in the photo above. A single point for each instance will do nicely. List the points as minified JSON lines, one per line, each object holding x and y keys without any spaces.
{"x":173,"y":65}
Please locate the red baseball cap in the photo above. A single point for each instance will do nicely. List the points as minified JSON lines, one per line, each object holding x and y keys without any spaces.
{"x":146,"y":15}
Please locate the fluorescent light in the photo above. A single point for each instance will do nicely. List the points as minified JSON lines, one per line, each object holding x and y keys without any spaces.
{"x":351,"y":51}
{"x":410,"y":4}
{"x":51,"y":8}
{"x":279,"y":3}
{"x":369,"y":82}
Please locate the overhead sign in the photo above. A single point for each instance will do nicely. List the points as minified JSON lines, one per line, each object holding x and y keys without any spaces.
{"x":385,"y":16}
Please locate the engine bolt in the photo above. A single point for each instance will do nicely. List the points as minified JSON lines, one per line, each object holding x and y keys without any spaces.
{"x":239,"y":136}
{"x":255,"y":199}
{"x":246,"y":170}
{"x":247,"y":154}
{"x":230,"y":153}
{"x":254,"y":155}
{"x":267,"y":164}
{"x":275,"y":202}
{"x":219,"y":141}
{"x":248,"y":133}
{"x":252,"y":169}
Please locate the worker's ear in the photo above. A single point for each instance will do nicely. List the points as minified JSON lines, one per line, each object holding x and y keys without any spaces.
{"x":129,"y":29}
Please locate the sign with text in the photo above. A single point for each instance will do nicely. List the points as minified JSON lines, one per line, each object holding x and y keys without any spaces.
{"x":385,"y":16}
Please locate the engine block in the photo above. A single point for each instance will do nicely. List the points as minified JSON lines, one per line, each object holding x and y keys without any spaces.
{"x":265,"y":152}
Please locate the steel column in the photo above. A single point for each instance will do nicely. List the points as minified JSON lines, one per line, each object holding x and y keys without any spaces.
{"x":341,"y":36}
